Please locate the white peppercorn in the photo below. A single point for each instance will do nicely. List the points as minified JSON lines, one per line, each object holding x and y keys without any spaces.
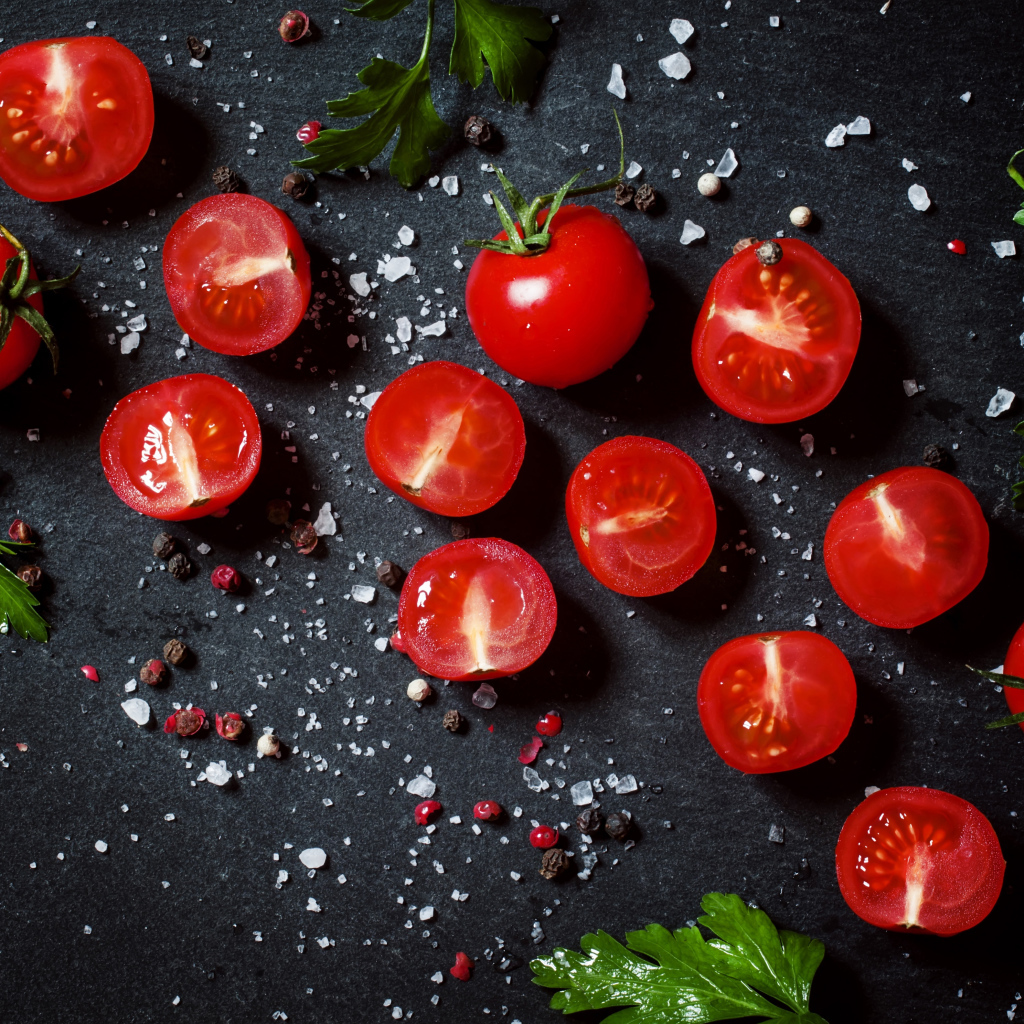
{"x":709,"y":184}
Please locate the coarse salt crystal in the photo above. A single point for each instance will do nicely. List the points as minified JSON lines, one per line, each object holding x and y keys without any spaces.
{"x":129,"y":343}
{"x":681,"y":30}
{"x":999,"y":403}
{"x":966,"y":97}
{"x":1002,"y":249}
{"x":397,"y":268}
{"x":368,"y":401}
{"x":218,"y":773}
{"x":908,"y":165}
{"x":859,"y":126}
{"x":406,"y":235}
{"x":137,"y":710}
{"x":910,"y":388}
{"x":756,"y":475}
{"x":836,"y":137}
{"x":359,"y":284}
{"x":691,"y":232}
{"x":421,"y":786}
{"x":451,"y":185}
{"x":101,"y":846}
{"x":727,"y":165}
{"x":675,"y":65}
{"x":326,"y":525}
{"x":918,"y":198}
{"x":434,"y":330}
{"x":616,"y":86}
{"x":363,"y":593}
{"x":633,"y":169}
{"x":810,"y":620}
{"x":582,"y":793}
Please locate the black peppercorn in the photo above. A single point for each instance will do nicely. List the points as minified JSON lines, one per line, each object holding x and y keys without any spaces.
{"x":460,"y":531}
{"x":478,"y":130}
{"x":278,"y":511}
{"x":164,"y":545}
{"x":303,"y":536}
{"x":645,"y":198}
{"x":555,"y":862}
{"x":295,"y":184}
{"x":179,"y":566}
{"x":197,"y":49}
{"x":623,"y":194}
{"x":31,"y":576}
{"x":769,"y":253}
{"x":226,"y":180}
{"x":935,"y":456}
{"x":175,"y":652}
{"x":744,"y":243}
{"x":452,"y":721}
{"x":389,"y":574}
{"x":589,"y":822}
{"x":618,"y":825}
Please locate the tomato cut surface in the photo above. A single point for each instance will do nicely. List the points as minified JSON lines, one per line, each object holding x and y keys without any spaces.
{"x":23,"y":342}
{"x":775,"y":344}
{"x":906,"y":546}
{"x":1014,"y":666}
{"x":641,"y":515}
{"x":475,"y":609}
{"x":568,"y":313}
{"x":445,"y":438}
{"x":236,"y":274}
{"x":181,"y":448}
{"x":775,"y":701}
{"x":76,"y":115}
{"x":914,"y":858}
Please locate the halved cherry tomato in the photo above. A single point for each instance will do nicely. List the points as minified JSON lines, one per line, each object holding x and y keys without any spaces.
{"x":910,"y":858}
{"x":445,"y":438}
{"x":775,"y":701}
{"x":23,"y":342}
{"x":568,"y":313}
{"x":775,"y":344}
{"x":76,"y":115}
{"x":236,"y":274}
{"x":906,"y":546}
{"x":641,"y":515}
{"x":1014,"y":666}
{"x":475,"y":609}
{"x":181,"y":448}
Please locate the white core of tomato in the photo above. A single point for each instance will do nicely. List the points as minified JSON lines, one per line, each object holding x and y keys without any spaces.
{"x":904,"y":541}
{"x":636,"y":520}
{"x":777,"y":321}
{"x":183,"y":455}
{"x":773,"y":709}
{"x":915,"y":878}
{"x":246,"y":269}
{"x":476,"y":625}
{"x":61,"y":111}
{"x":434,"y":452}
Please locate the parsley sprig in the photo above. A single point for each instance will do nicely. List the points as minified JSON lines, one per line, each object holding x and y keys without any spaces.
{"x":1018,"y":217}
{"x":17,"y":603}
{"x":397,"y":99}
{"x":750,"y":970}
{"x":1015,"y":683}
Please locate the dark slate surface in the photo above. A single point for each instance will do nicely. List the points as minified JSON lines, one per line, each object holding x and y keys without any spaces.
{"x":174,"y":914}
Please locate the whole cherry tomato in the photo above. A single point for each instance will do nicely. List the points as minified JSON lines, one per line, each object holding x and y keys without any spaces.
{"x":23,"y":341}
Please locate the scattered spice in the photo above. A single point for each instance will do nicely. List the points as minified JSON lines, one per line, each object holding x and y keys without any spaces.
{"x":618,"y":825}
{"x":543,"y":837}
{"x":800,"y":216}
{"x":176,"y":652}
{"x":555,"y":862}
{"x":956,"y":246}
{"x":164,"y":546}
{"x":179,"y":566}
{"x":478,"y":130}
{"x":224,"y":577}
{"x":31,"y":576}
{"x":268,"y":744}
{"x":769,"y":253}
{"x":303,"y":536}
{"x":230,"y":725}
{"x":295,"y":184}
{"x":529,"y":751}
{"x":550,"y":724}
{"x":936,"y":456}
{"x":452,"y":721}
{"x":197,"y":49}
{"x":226,"y":180}
{"x":425,"y":811}
{"x":185,"y":721}
{"x":418,"y":690}
{"x":645,"y":198}
{"x":154,"y":672}
{"x":488,"y":810}
{"x":278,"y":511}
{"x":460,"y":531}
{"x":744,"y":243}
{"x":463,"y":965}
{"x":624,"y":194}
{"x":293,"y":26}
{"x":709,"y":184}
{"x":20,"y":532}
{"x":90,"y":673}
{"x":390,"y":574}
{"x":309,"y":132}
{"x":589,"y":822}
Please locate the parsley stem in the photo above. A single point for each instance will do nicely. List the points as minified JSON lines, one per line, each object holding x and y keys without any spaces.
{"x":429,"y":33}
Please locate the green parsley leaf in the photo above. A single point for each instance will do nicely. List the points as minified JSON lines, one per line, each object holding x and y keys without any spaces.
{"x":502,"y":34}
{"x":668,"y":977}
{"x":18,"y":604}
{"x":1012,"y":171}
{"x":379,"y":10}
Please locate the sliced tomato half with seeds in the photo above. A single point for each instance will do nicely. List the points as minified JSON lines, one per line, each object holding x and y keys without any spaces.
{"x":916,"y":859}
{"x":775,"y":343}
{"x":475,"y":609}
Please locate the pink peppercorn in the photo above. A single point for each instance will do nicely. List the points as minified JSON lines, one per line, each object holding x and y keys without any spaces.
{"x":20,"y":532}
{"x":463,"y":965}
{"x":543,"y":837}
{"x":528,"y":753}
{"x":956,"y":246}
{"x":185,"y":721}
{"x":488,"y":810}
{"x":230,"y":725}
{"x":90,"y":673}
{"x":550,"y":724}
{"x":293,"y":26}
{"x":308,"y":132}
{"x":226,"y":578}
{"x":425,"y":811}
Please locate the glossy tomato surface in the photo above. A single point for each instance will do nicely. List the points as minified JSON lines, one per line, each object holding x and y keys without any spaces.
{"x":475,"y":609}
{"x":181,"y":448}
{"x":236,"y":274}
{"x":76,"y":115}
{"x":445,"y":438}
{"x":914,"y":858}
{"x":568,"y":313}
{"x":775,"y":701}
{"x":22,"y":343}
{"x":906,"y":546}
{"x":641,"y":515}
{"x":1014,"y":666}
{"x":775,"y":344}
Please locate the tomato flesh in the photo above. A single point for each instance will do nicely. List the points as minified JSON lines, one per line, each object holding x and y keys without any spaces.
{"x":236,"y":274}
{"x":475,"y":609}
{"x":910,"y":858}
{"x":181,"y":448}
{"x":568,"y":313}
{"x":446,"y":439}
{"x":1014,"y":666}
{"x":76,"y":115}
{"x":775,"y":701}
{"x":641,"y":515}
{"x":775,"y":344}
{"x":22,"y":343}
{"x":906,"y":546}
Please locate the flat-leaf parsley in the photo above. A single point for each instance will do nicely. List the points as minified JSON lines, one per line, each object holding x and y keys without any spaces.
{"x":17,"y":603}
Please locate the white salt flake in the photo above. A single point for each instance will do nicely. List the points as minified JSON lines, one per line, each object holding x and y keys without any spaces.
{"x":368,"y":401}
{"x":776,"y":834}
{"x":325,"y":525}
{"x":811,"y":621}
{"x":757,"y":475}
{"x":582,"y":793}
{"x":451,"y":185}
{"x":908,"y":165}
{"x":675,"y":65}
{"x":313,"y":905}
{"x":774,"y":21}
{"x":1002,"y":249}
{"x":859,"y":126}
{"x":101,"y":846}
{"x":918,"y":198}
{"x":633,"y":169}
{"x":434,"y":330}
{"x":137,"y":323}
{"x":966,"y":97}
{"x":616,"y":86}
{"x":426,"y":913}
{"x":727,"y":165}
{"x":681,"y":30}
{"x":999,"y":403}
{"x":403,"y":327}
{"x":691,"y":232}
{"x":313,"y":858}
{"x":218,"y":773}
{"x":910,"y":388}
{"x":422,"y":786}
{"x":129,"y":343}
{"x":137,"y":710}
{"x":406,"y":235}
{"x":836,"y":137}
{"x":381,"y":643}
{"x":363,"y":593}
{"x":359,"y":284}
{"x":627,"y":784}
{"x":397,"y":268}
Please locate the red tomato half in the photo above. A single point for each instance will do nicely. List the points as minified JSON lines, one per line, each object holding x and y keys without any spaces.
{"x":775,"y":344}
{"x":906,"y":546}
{"x":641,"y":515}
{"x":22,"y":343}
{"x":475,"y":609}
{"x":1014,"y":666}
{"x":775,"y":701}
{"x":914,"y":858}
{"x":445,"y":438}
{"x":236,"y":274}
{"x":76,"y":115}
{"x":568,"y":313}
{"x":181,"y":448}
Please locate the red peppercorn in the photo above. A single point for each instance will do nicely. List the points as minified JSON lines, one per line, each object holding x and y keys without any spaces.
{"x":90,"y":673}
{"x":226,"y":578}
{"x":293,"y":26}
{"x":550,"y":724}
{"x":20,"y":532}
{"x":956,"y":246}
{"x":308,"y":132}
{"x":425,"y":811}
{"x":543,"y":836}
{"x":488,"y":810}
{"x":529,"y":751}
{"x":185,"y":721}
{"x":230,"y":725}
{"x":463,"y":965}
{"x":154,"y":672}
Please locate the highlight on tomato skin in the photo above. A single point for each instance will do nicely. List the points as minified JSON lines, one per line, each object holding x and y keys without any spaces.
{"x":1014,"y":666}
{"x":475,"y":609}
{"x":236,"y":274}
{"x":906,"y":546}
{"x":445,"y":438}
{"x":181,"y":448}
{"x":772,"y":702}
{"x":916,"y":859}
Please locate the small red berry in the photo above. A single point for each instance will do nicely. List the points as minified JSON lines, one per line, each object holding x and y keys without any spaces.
{"x":463,"y":965}
{"x":488,"y":810}
{"x":543,"y":837}
{"x":425,"y":811}
{"x":185,"y":721}
{"x":90,"y":673}
{"x":550,"y":724}
{"x":230,"y":726}
{"x":154,"y":672}
{"x":226,"y":578}
{"x":528,"y":753}
{"x":20,"y":532}
{"x":956,"y":246}
{"x":308,"y":132}
{"x":293,"y":26}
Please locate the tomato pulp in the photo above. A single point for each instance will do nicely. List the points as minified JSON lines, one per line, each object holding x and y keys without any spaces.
{"x":445,"y":438}
{"x":1014,"y":666}
{"x":906,"y":546}
{"x":475,"y":609}
{"x":76,"y":115}
{"x":236,"y":274}
{"x":641,"y":515}
{"x":775,"y":344}
{"x":775,"y":701}
{"x":181,"y":448}
{"x":914,"y":858}
{"x":568,"y":313}
{"x":23,"y":342}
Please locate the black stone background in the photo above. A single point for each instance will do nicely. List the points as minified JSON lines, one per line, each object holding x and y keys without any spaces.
{"x":949,"y":321}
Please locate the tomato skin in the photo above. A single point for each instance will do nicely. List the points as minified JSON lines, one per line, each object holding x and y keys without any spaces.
{"x":22,"y":343}
{"x":770,"y":383}
{"x":475,"y":609}
{"x":221,"y":452}
{"x":942,"y":534}
{"x":638,"y":476}
{"x":411,"y":419}
{"x":236,"y":274}
{"x":106,"y":140}
{"x":956,"y":866}
{"x":806,"y":674}
{"x":1014,"y":666}
{"x":568,"y":313}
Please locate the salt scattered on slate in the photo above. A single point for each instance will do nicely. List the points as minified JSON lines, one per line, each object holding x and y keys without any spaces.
{"x":999,"y":403}
{"x":313,"y":905}
{"x":421,"y":786}
{"x":434,"y":330}
{"x":918,"y":198}
{"x":691,"y":232}
{"x":325,"y":524}
{"x":776,"y":834}
{"x":363,"y":594}
{"x":727,"y":165}
{"x":485,"y":696}
{"x":627,"y":784}
{"x":359,"y":284}
{"x":966,"y":97}
{"x":406,"y":235}
{"x":756,"y":475}
{"x":859,"y":126}
{"x":811,"y":621}
{"x":675,"y":65}
{"x":101,"y":846}
{"x":218,"y":773}
{"x":836,"y":137}
{"x":616,"y":86}
{"x":137,"y":323}
{"x":137,"y":710}
{"x":451,"y":185}
{"x":313,"y":858}
{"x":910,"y":388}
{"x":633,"y":169}
{"x":681,"y":30}
{"x":582,"y":793}
{"x":129,"y":343}
{"x":1003,"y":249}
{"x":397,"y":268}
{"x":426,"y":913}
{"x":368,"y":401}
{"x":909,"y":165}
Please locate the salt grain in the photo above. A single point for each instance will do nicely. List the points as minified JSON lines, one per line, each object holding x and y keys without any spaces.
{"x":691,"y":232}
{"x":582,"y":793}
{"x":999,"y":403}
{"x":675,"y":65}
{"x":137,"y":710}
{"x":681,"y":30}
{"x":633,"y":169}
{"x":616,"y":86}
{"x":859,"y":126}
{"x":919,"y":198}
{"x":908,"y":165}
{"x":836,"y":137}
{"x":727,"y":165}
{"x":313,"y":858}
{"x":398,"y":268}
{"x":363,"y":594}
{"x":421,"y":786}
{"x":451,"y":185}
{"x":218,"y":773}
{"x":1003,"y":249}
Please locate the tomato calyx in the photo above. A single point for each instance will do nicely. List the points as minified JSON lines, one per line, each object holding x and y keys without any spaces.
{"x":16,"y":289}
{"x":1002,"y":679}
{"x":534,"y":239}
